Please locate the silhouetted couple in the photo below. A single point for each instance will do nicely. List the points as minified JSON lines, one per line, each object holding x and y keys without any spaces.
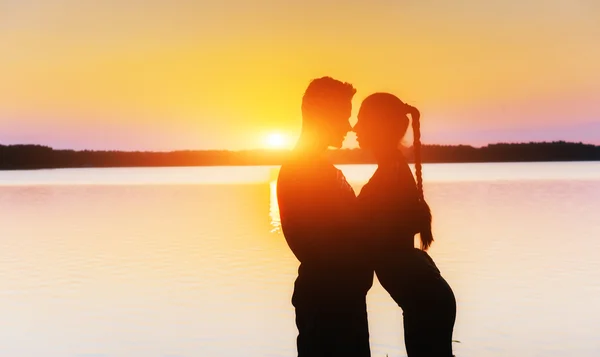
{"x":341,"y":240}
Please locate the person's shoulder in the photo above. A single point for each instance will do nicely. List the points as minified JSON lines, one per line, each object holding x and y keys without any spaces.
{"x":309,"y":170}
{"x":296,"y":161}
{"x":378,"y":182}
{"x":389,"y":178}
{"x":402,"y":169}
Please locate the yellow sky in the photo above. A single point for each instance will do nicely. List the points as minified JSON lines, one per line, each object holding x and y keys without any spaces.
{"x":162,"y":75}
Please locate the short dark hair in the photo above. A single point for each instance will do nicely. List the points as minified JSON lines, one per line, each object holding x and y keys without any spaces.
{"x":324,"y":92}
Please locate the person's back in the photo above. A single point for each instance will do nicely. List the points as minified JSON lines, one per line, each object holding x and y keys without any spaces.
{"x":317,"y":209}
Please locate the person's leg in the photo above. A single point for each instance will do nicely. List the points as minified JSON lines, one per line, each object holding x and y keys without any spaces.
{"x":426,"y":299}
{"x":429,"y":319}
{"x":333,"y":332}
{"x":306,"y":342}
{"x":355,"y":327}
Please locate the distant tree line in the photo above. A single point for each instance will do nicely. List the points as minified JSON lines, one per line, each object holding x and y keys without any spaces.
{"x":18,"y":157}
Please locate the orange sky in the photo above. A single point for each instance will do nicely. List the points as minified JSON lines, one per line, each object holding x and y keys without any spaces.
{"x":163,"y":75}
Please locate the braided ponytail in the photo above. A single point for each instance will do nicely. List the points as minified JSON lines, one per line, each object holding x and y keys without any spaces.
{"x":424,"y":211}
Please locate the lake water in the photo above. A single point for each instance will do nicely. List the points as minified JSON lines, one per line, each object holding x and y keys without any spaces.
{"x":145,"y":262}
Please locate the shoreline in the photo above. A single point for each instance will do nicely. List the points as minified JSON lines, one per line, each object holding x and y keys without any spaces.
{"x":33,"y":157}
{"x":279,"y":164}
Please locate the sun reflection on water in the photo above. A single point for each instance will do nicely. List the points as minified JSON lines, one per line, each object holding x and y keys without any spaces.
{"x":274,"y":208}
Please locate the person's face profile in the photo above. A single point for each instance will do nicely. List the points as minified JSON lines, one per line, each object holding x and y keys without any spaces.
{"x":339,"y":124}
{"x":362,"y":132}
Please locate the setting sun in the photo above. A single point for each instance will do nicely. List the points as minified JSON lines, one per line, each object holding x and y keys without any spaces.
{"x":276,"y":141}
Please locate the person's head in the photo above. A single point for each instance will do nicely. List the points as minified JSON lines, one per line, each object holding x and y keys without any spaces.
{"x":326,"y":110}
{"x":382,"y":123}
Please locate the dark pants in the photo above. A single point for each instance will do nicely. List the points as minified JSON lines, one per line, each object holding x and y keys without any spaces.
{"x":414,"y":282}
{"x":331,"y":332}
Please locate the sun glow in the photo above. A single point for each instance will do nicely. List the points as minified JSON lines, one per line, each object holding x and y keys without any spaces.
{"x":276,"y":141}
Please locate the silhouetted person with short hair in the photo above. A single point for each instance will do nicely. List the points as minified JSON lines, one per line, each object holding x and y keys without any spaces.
{"x":318,"y":217}
{"x":394,"y":211}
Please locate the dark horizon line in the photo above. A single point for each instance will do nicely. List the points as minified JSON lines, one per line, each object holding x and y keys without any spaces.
{"x":23,"y":157}
{"x":500,"y":143}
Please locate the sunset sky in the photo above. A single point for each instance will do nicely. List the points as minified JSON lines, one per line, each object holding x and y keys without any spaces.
{"x":227,"y":74}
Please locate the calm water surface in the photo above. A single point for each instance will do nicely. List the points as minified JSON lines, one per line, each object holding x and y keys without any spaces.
{"x":190,"y":261}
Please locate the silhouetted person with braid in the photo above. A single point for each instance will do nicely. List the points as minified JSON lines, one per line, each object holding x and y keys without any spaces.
{"x":394,"y":211}
{"x":318,"y":219}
